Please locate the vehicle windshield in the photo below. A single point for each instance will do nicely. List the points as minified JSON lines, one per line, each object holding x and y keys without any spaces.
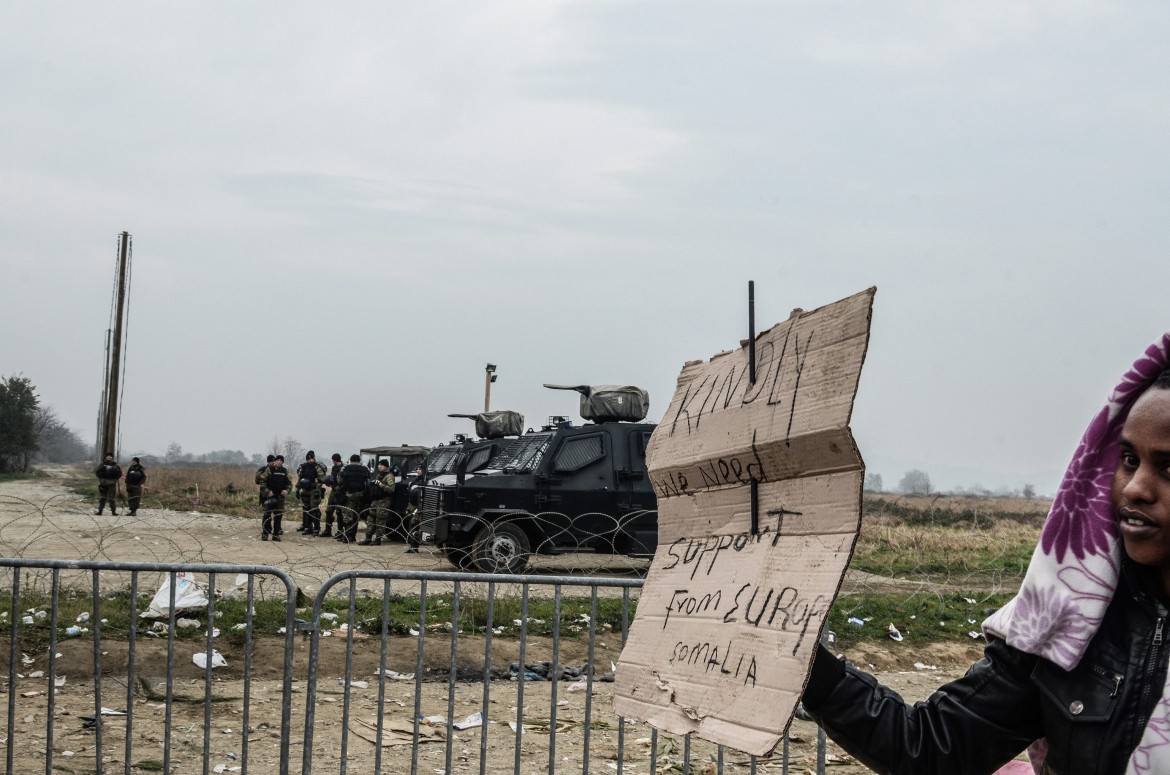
{"x":522,"y":455}
{"x":443,"y":460}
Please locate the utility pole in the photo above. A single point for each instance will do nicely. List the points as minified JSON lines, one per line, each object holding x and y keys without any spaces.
{"x":108,"y":442}
{"x":488,"y":378}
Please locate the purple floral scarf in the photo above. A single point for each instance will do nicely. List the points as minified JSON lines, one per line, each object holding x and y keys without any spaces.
{"x":1076,"y":566}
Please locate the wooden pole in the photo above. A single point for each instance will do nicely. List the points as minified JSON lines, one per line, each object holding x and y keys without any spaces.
{"x":110,"y":433}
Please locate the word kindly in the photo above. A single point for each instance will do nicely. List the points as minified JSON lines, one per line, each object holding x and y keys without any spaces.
{"x":721,"y":390}
{"x":713,"y":656}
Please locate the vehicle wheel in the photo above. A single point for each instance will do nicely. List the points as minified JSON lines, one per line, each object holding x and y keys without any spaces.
{"x":501,"y":548}
{"x":460,"y":558}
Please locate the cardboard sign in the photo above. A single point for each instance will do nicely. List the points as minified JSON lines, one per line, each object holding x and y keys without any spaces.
{"x":728,"y":620}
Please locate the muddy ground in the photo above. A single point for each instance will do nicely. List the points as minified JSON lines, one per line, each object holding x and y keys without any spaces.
{"x":43,"y":519}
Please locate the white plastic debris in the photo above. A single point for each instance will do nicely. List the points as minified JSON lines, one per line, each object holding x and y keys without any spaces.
{"x":183,"y":623}
{"x":188,"y":595}
{"x":200,"y":659}
{"x":83,"y":617}
{"x":332,"y":617}
{"x":396,"y":676}
{"x":579,"y":686}
{"x":895,"y":635}
{"x":924,"y":666}
{"x":474,"y":720}
{"x":856,"y":622}
{"x":974,"y":635}
{"x":354,"y":684}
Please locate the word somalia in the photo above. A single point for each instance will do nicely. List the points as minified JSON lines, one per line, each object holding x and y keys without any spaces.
{"x":708,"y":656}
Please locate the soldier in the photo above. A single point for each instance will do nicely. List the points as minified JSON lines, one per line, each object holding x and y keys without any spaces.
{"x":310,"y":485}
{"x":276,"y":485}
{"x":353,"y":480}
{"x":108,"y":474}
{"x":381,"y":490}
{"x":336,"y":497}
{"x":410,"y":519}
{"x":135,"y":481}
{"x":262,"y":474}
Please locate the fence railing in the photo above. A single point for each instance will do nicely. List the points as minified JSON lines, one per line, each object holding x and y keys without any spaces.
{"x":74,"y":630}
{"x":441,"y":671}
{"x":511,"y":674}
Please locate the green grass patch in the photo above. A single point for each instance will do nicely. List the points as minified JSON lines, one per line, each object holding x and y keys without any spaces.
{"x":918,"y":618}
{"x":12,"y":476}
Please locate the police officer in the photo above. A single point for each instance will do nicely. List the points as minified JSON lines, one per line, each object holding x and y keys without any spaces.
{"x":381,"y":491}
{"x":354,"y":477}
{"x":336,"y":497}
{"x":277,"y":484}
{"x":108,"y":474}
{"x":310,"y":486}
{"x":135,"y":479}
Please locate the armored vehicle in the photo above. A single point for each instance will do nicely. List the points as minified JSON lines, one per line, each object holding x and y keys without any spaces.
{"x":403,"y":457}
{"x":561,"y":489}
{"x":464,"y":456}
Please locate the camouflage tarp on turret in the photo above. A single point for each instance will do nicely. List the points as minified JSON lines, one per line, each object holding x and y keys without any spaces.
{"x":496,"y":425}
{"x":610,"y":403}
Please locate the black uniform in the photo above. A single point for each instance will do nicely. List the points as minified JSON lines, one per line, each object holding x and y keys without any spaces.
{"x":135,"y":478}
{"x":277,"y":484}
{"x":354,"y":477}
{"x":108,"y":474}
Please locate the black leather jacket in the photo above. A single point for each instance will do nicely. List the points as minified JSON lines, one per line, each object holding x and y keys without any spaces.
{"x":1092,"y":716}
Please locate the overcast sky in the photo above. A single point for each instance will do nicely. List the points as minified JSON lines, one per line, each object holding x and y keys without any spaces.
{"x":341,"y":212}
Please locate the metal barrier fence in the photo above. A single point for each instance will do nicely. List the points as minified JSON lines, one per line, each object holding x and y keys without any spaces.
{"x":495,"y":690}
{"x":73,"y":629}
{"x":499,"y":674}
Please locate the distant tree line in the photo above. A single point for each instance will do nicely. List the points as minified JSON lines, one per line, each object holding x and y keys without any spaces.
{"x":32,"y":433}
{"x":916,"y":482}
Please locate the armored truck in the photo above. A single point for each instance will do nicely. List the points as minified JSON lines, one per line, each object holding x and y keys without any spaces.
{"x":561,"y":489}
{"x":465,"y":456}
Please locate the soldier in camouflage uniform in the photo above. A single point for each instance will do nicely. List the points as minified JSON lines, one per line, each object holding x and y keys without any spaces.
{"x":378,"y":516}
{"x":310,"y":486}
{"x":262,"y":474}
{"x":336,"y":497}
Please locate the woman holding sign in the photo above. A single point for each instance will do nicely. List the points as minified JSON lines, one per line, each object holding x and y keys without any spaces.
{"x":1075,"y":669}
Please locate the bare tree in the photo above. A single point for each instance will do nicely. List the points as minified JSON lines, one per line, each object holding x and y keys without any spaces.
{"x":873,"y":483}
{"x":915,"y":483}
{"x":292,"y":449}
{"x":56,"y":442}
{"x":174,"y":453}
